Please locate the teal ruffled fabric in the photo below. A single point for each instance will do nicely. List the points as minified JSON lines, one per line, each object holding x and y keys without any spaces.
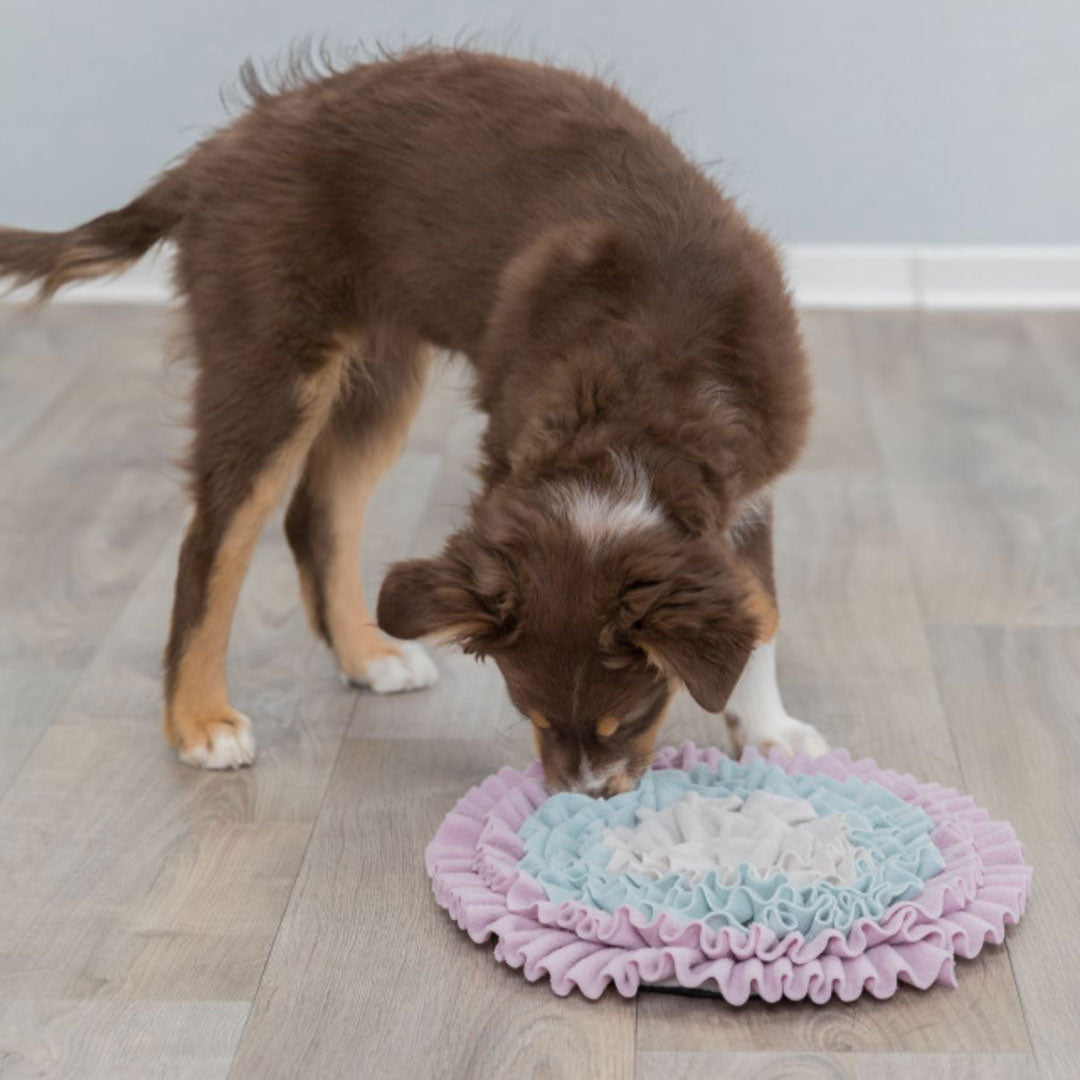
{"x":564,"y":850}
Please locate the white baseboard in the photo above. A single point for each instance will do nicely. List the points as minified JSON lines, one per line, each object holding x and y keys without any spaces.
{"x":934,"y":276}
{"x":996,"y":277}
{"x":821,"y":275}
{"x":856,"y":275}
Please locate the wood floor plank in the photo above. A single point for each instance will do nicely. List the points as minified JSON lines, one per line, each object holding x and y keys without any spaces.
{"x":853,"y":653}
{"x":446,"y":400}
{"x":899,"y":1066}
{"x":1053,"y":338}
{"x":993,"y":557}
{"x":368,"y":976}
{"x":66,"y":573}
{"x":89,"y":498}
{"x":976,"y":417}
{"x":965,"y":398}
{"x":140,"y":900}
{"x":689,"y":1065}
{"x":396,"y":513}
{"x":138,"y":1040}
{"x":30,"y":695}
{"x":468,"y":702}
{"x":841,"y":435}
{"x":33,"y":371}
{"x":126,"y":874}
{"x":946,"y":1066}
{"x":172,"y":882}
{"x":1013,"y":697}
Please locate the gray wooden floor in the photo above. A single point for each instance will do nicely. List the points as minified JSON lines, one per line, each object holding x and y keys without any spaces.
{"x":156,"y":921}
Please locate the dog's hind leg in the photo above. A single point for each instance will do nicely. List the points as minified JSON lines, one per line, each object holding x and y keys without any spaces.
{"x":325,"y":521}
{"x":257,"y":413}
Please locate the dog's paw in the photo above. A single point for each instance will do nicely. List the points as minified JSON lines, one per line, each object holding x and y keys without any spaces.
{"x":786,"y":734}
{"x":226,"y":744}
{"x":407,"y":667}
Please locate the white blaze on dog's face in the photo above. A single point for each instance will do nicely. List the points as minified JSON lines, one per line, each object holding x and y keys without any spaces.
{"x":594,"y":732}
{"x":595,"y":608}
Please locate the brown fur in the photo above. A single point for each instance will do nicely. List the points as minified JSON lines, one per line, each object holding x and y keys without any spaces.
{"x":325,"y":520}
{"x":623,"y":321}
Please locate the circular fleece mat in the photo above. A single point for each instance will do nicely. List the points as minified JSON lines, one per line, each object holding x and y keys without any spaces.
{"x":772,"y":876}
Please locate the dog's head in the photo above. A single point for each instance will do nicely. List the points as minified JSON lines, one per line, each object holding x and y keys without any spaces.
{"x":595,"y":607}
{"x":596,"y":597}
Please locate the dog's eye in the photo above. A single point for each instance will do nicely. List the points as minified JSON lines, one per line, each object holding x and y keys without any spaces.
{"x":607,"y":726}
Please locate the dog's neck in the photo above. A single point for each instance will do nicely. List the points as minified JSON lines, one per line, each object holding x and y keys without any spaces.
{"x":612,"y":421}
{"x":608,"y":480}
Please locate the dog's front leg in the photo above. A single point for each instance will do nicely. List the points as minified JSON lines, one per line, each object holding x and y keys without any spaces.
{"x":755,"y":712}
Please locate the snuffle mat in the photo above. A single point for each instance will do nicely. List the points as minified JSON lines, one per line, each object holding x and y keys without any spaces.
{"x":769,"y":876}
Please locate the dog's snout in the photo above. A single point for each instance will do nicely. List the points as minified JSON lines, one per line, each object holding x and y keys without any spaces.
{"x":601,"y":783}
{"x":589,"y":787}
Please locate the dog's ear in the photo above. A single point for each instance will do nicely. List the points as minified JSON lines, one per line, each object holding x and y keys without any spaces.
{"x":697,"y":625}
{"x":467,"y":595}
{"x":583,"y":270}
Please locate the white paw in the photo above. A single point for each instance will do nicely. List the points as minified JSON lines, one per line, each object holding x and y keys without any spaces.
{"x":795,"y":737}
{"x":786,"y":734}
{"x":231,"y":746}
{"x":412,"y":670}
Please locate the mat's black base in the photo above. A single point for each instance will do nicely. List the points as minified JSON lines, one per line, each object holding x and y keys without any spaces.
{"x":682,"y":991}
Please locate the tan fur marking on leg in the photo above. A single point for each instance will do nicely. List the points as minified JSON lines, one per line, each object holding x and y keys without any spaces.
{"x":539,"y":719}
{"x":355,"y":637}
{"x":200,"y":700}
{"x":761,"y":605}
{"x":765,"y":612}
{"x":309,"y":597}
{"x":349,"y":484}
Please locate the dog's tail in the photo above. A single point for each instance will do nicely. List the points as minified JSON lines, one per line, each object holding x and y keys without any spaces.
{"x":106,"y":245}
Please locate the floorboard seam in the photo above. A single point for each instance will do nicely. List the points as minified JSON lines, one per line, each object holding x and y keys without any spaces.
{"x":299,"y":874}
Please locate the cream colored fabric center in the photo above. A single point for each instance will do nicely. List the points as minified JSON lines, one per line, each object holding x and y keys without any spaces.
{"x":770,"y":833}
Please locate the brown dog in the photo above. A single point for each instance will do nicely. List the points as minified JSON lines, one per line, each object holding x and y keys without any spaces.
{"x":634,"y":348}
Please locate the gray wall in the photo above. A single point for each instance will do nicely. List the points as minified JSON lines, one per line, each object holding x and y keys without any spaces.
{"x":834,"y":121}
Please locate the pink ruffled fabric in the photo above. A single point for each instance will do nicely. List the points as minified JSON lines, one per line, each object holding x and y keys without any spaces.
{"x":473,"y":859}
